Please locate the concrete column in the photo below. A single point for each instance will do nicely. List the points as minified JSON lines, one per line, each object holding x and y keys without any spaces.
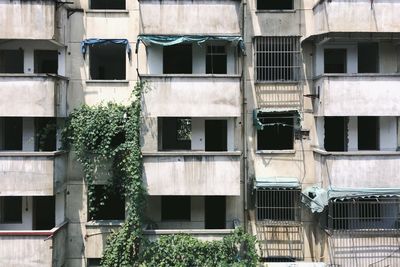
{"x":198,"y":134}
{"x":28,"y":134}
{"x":28,"y":60}
{"x":388,"y":133}
{"x":60,"y":207}
{"x":353,"y":134}
{"x":231,"y":133}
{"x":199,"y":58}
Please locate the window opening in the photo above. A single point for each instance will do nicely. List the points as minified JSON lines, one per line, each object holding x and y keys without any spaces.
{"x":215,"y":212}
{"x":175,"y":133}
{"x":108,"y":62}
{"x":46,"y":61}
{"x":94,"y":262}
{"x":277,"y":59}
{"x":12,"y":61}
{"x":368,"y":133}
{"x":45,"y":134}
{"x":175,"y":208}
{"x":274,"y":4}
{"x":177,"y":59}
{"x":107,"y":4}
{"x":278,"y":131}
{"x":44,"y":217}
{"x":368,"y":58}
{"x":336,"y":133}
{"x":216,"y":59}
{"x":109,"y":204}
{"x":216,"y":135}
{"x":11,"y":209}
{"x":12,"y":133}
{"x":335,"y":60}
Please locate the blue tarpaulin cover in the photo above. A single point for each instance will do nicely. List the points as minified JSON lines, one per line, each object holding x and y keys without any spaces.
{"x":168,"y":40}
{"x":94,"y":41}
{"x":276,"y":182}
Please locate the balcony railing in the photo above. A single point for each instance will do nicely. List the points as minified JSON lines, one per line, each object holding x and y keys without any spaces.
{"x":31,"y":173}
{"x":192,"y":173}
{"x":192,"y":95}
{"x":33,"y":248}
{"x":357,"y":95}
{"x":33,"y":95}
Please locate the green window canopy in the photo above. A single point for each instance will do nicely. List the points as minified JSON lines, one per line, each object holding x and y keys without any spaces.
{"x":317,"y":198}
{"x":168,"y":40}
{"x":259,"y":114}
{"x":276,"y":182}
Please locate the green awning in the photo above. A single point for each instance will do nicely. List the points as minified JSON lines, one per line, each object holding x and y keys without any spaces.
{"x":276,"y":182}
{"x":259,"y":114}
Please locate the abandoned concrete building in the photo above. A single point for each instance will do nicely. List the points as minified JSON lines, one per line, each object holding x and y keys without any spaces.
{"x":278,"y":116}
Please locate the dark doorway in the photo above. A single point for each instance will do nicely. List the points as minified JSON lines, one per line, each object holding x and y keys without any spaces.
{"x":368,"y":58}
{"x":12,"y":131}
{"x":44,"y":217}
{"x":12,"y":61}
{"x":177,"y":59}
{"x":336,"y":133}
{"x":46,"y":61}
{"x":335,"y":61}
{"x":368,"y":133}
{"x":216,"y":135}
{"x":215,"y":212}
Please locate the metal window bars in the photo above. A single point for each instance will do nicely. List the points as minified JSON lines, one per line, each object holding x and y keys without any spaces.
{"x":277,"y":59}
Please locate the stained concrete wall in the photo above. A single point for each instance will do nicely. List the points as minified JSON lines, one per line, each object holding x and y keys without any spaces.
{"x":188,"y":17}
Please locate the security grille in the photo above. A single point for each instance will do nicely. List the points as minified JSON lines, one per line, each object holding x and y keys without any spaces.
{"x":277,"y":59}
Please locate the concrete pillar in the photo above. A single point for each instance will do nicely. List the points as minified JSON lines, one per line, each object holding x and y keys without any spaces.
{"x":388,"y":133}
{"x":28,"y":134}
{"x":353,"y":134}
{"x":198,"y":135}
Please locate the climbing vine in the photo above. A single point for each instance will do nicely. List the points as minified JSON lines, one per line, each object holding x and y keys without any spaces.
{"x":109,"y":135}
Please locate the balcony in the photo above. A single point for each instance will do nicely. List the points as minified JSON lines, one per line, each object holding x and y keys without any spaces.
{"x":193,"y":17}
{"x":192,"y":95}
{"x":356,"y":16}
{"x":33,"y":248}
{"x":31,"y":173}
{"x":358,"y":169}
{"x":33,"y":95}
{"x":35,"y":20}
{"x":192,"y":173}
{"x":357,"y":95}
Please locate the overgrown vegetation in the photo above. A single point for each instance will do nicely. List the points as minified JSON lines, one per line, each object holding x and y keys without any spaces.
{"x":109,"y":135}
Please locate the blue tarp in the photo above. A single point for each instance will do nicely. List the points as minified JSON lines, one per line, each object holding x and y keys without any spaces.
{"x":94,"y":41}
{"x":276,"y":182}
{"x":168,"y":40}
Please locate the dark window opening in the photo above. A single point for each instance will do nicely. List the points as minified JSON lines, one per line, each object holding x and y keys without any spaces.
{"x":368,"y":133}
{"x":368,"y":58}
{"x":279,"y":259}
{"x":109,"y":204}
{"x":12,"y":61}
{"x":278,"y":132}
{"x":107,"y":4}
{"x":215,"y":212}
{"x":216,"y":59}
{"x":175,"y":133}
{"x":107,"y":62}
{"x":216,"y":135}
{"x":277,"y":59}
{"x":12,"y":133}
{"x":11,"y":209}
{"x":94,"y":262}
{"x":46,"y":61}
{"x":175,"y":208}
{"x":278,"y":204}
{"x":274,"y":4}
{"x":177,"y":59}
{"x":335,"y":60}
{"x":336,"y":133}
{"x":44,"y":216}
{"x":45,"y":134}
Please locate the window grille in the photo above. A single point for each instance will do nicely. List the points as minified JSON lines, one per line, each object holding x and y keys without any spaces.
{"x":278,"y":205}
{"x":277,"y":59}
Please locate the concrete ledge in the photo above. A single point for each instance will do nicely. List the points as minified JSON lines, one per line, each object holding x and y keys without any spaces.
{"x":191,"y":76}
{"x":190,"y":153}
{"x":31,"y":154}
{"x":107,"y":81}
{"x":104,"y":223}
{"x":285,"y":151}
{"x":356,"y":153}
{"x":34,"y":75}
{"x":50,"y":233}
{"x":356,"y":75}
{"x":114,"y":11}
{"x":188,"y":231}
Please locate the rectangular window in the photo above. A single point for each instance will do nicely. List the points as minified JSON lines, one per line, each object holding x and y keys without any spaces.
{"x":46,"y":61}
{"x":108,"y":62}
{"x":175,"y":208}
{"x":109,"y":204}
{"x":277,"y":132}
{"x":11,"y":133}
{"x":107,"y":4}
{"x":45,"y":134}
{"x":277,"y":59}
{"x":368,"y":133}
{"x":12,"y":61}
{"x":177,"y":59}
{"x":336,"y":133}
{"x":335,"y":60}
{"x":174,"y":133}
{"x":94,"y":262}
{"x":274,"y":4}
{"x":368,"y":58}
{"x":44,"y":216}
{"x":216,"y":59}
{"x":11,"y":209}
{"x":216,"y":134}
